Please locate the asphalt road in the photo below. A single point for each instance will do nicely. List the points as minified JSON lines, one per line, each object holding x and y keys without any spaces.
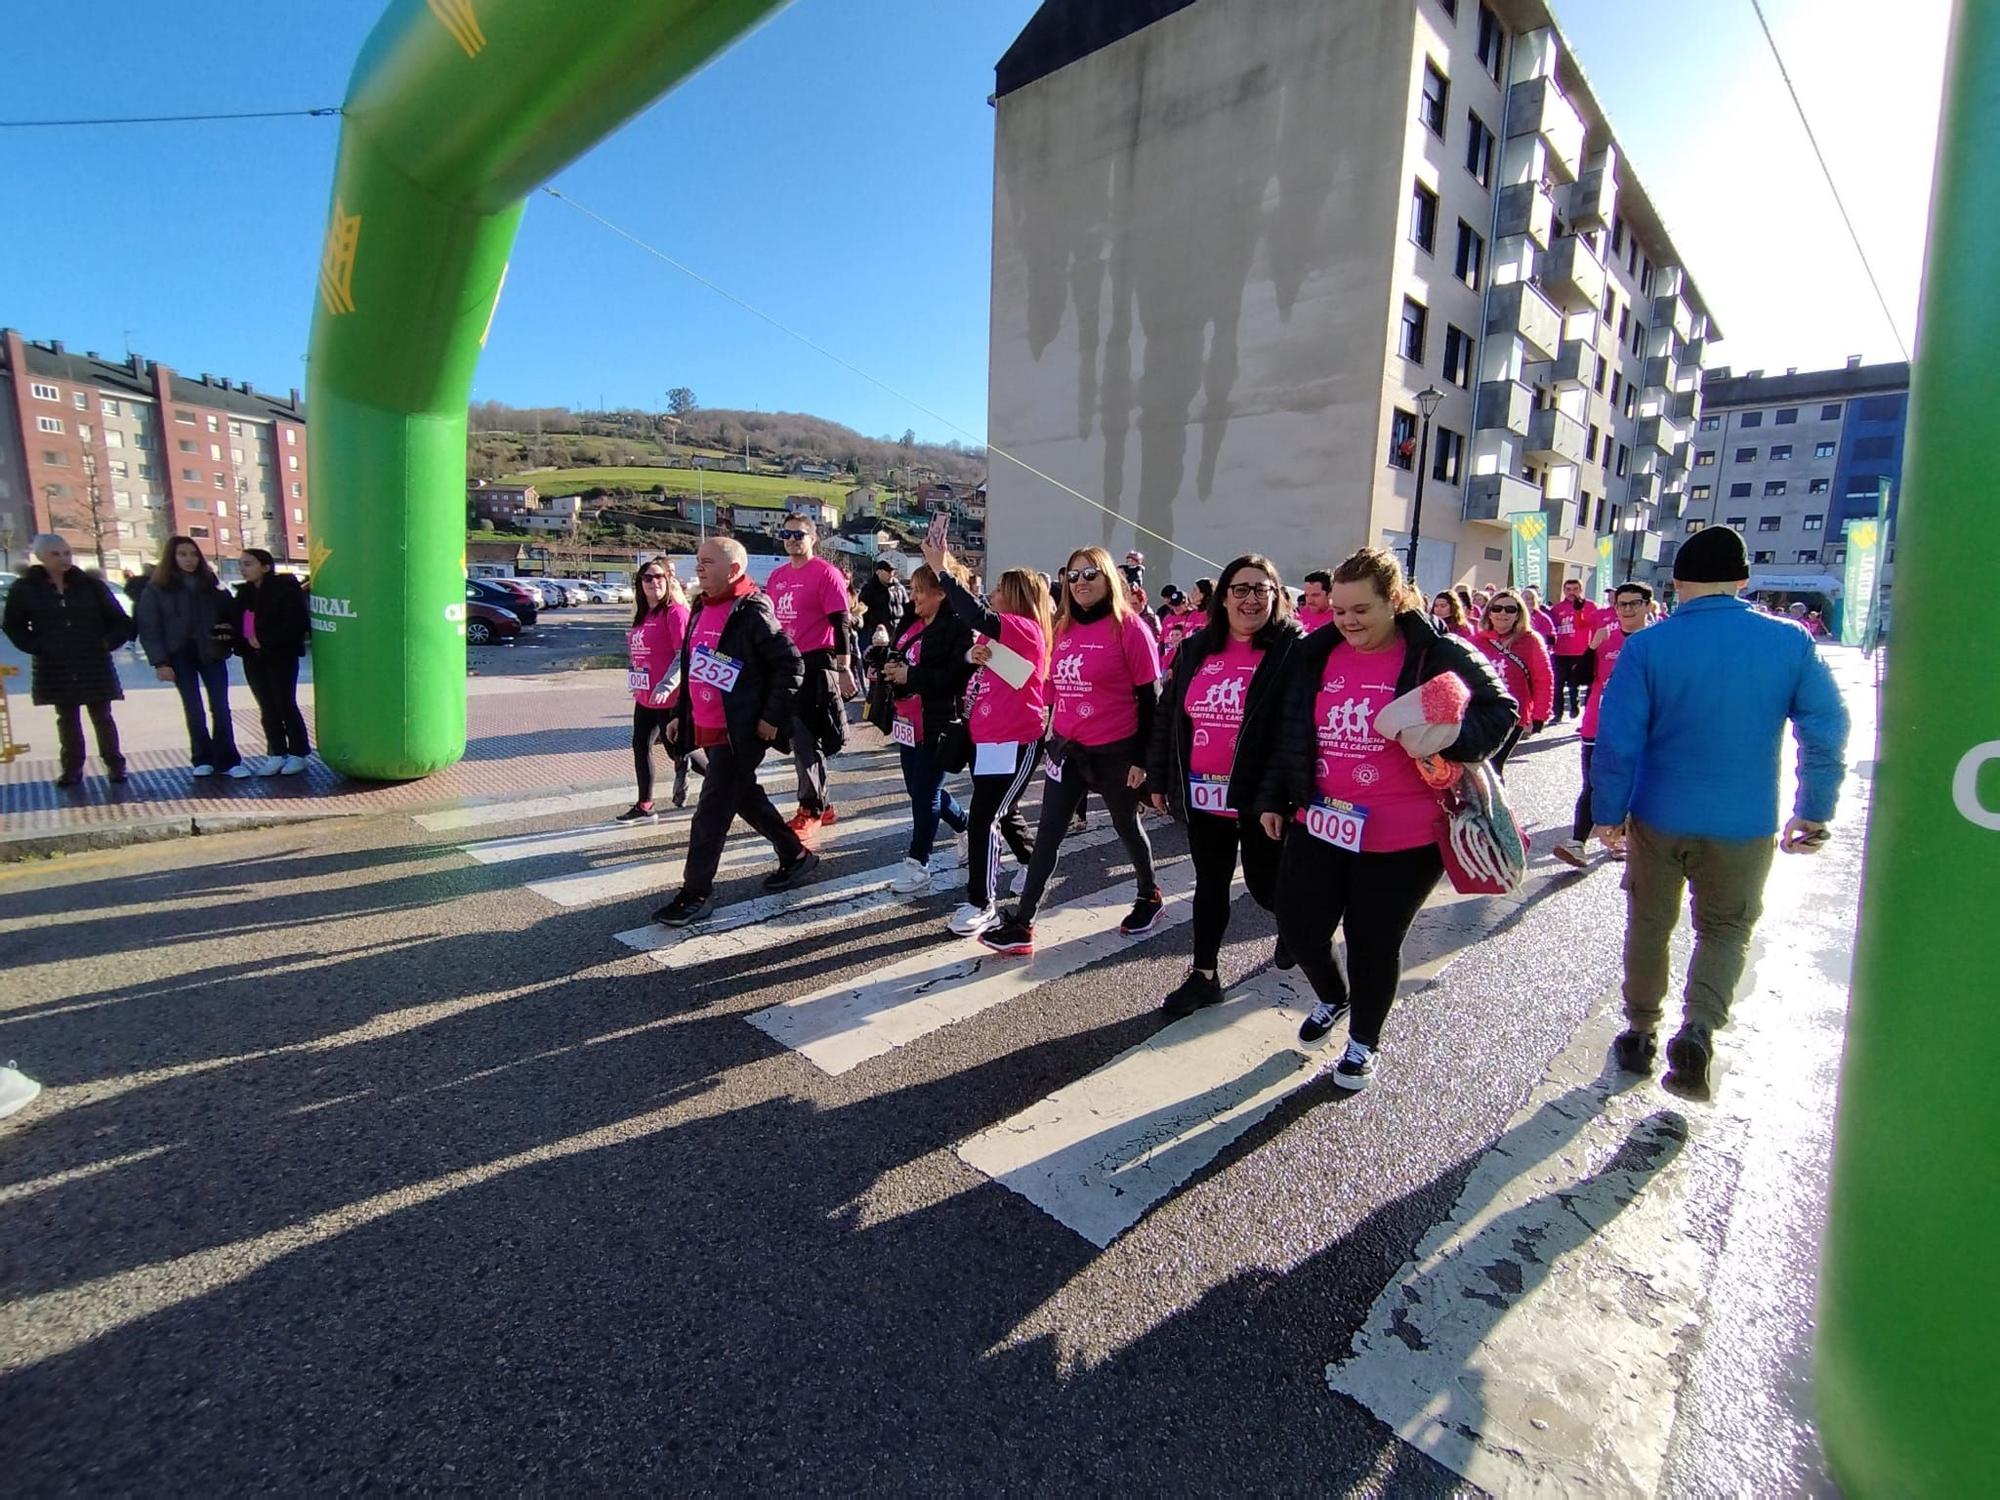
{"x":364,"y":1164}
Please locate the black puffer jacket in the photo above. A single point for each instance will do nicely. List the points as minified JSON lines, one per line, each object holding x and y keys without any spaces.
{"x":1290,"y":775}
{"x":70,"y":633}
{"x":194,"y":612}
{"x":772,"y":672}
{"x":940,"y":674}
{"x":1173,"y":732}
{"x":278,"y":605}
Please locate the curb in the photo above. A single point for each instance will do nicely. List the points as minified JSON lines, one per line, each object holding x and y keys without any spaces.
{"x":15,"y":848}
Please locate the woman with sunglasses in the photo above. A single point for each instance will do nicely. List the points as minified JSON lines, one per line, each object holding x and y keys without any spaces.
{"x":1521,"y":657}
{"x":1207,"y":756}
{"x":653,"y":644}
{"x":1105,"y":673}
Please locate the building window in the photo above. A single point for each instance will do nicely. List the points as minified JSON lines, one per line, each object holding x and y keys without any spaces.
{"x":192,"y":476}
{"x":142,"y":440}
{"x":1693,"y":525}
{"x":1489,"y":42}
{"x":236,"y":429}
{"x":236,"y":457}
{"x":120,"y":469}
{"x":113,"y":438}
{"x":1431,"y":105}
{"x":187,"y":445}
{"x":148,"y":471}
{"x":48,"y":424}
{"x":1624,"y":321}
{"x":1780,"y":452}
{"x":1624,"y":456}
{"x":1414,"y":318}
{"x":1603,"y":364}
{"x":1424,"y":218}
{"x":1819,"y":486}
{"x":295,"y":490}
{"x":291,"y":437}
{"x":1814,"y":523}
{"x":1830,"y":412}
{"x":291,"y":461}
{"x":45,"y":392}
{"x":1631,"y":400}
{"x":1402,"y":439}
{"x":221,"y":483}
{"x":1617,"y":380}
{"x":55,"y":460}
{"x":1880,"y":446}
{"x":194,"y":504}
{"x":1646,"y":278}
{"x":215,"y":453}
{"x":213,"y":425}
{"x":1478,"y":149}
{"x":112,"y":408}
{"x":1737,"y":523}
{"x":1786,"y":416}
{"x":1806,"y":555}
{"x":1632,"y":257}
{"x":82,"y":401}
{"x":298,"y":515}
{"x":185,"y":418}
{"x":1751,"y":419}
{"x":1590,"y":445}
{"x":1840,"y":554}
{"x":198,"y":531}
{"x":1610,"y":304}
{"x":1746,"y":455}
{"x":1704,"y":458}
{"x":1457,"y":356}
{"x":1822,"y":450}
{"x":1763,"y":557}
{"x":1770,"y":523}
{"x":1470,"y":267}
{"x":1740,"y":491}
{"x":1449,"y":461}
{"x":1711,"y":424}
{"x":1699,"y":493}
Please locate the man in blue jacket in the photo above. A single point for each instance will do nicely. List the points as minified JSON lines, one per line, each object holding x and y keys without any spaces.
{"x":1685,"y":779}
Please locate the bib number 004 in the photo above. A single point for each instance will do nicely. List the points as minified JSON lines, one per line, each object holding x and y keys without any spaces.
{"x":1337,"y":823}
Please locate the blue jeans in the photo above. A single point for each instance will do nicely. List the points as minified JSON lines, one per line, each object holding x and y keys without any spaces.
{"x":923,"y":778}
{"x":211,"y":738}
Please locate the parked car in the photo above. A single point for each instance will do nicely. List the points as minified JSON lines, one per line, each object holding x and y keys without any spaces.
{"x":489,"y":622}
{"x":522,"y":601}
{"x":550,"y":596}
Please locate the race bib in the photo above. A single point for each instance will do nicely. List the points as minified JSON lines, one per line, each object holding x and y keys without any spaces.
{"x":638,"y":680}
{"x":1336,"y":823}
{"x":1055,"y":770}
{"x":996,"y":759}
{"x":712,"y":669}
{"x":903,"y":732}
{"x":1209,"y":794}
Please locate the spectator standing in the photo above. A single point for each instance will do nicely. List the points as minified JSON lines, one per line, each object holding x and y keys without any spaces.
{"x":68,"y":624}
{"x":885,"y":601}
{"x":187,"y":623}
{"x":273,"y":631}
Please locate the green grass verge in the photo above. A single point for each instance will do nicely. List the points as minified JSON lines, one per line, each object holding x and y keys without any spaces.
{"x":757,"y":490}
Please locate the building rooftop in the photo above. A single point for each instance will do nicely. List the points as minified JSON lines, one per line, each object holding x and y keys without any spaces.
{"x":134,"y":376}
{"x":1754,"y":388}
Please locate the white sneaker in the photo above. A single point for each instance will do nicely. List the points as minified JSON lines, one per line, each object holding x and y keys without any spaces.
{"x":292,"y":765}
{"x":270,"y":765}
{"x":914,"y":876}
{"x":969,"y":920}
{"x":1572,"y":853}
{"x":241,"y":771}
{"x":17,"y":1090}
{"x":204,"y":770}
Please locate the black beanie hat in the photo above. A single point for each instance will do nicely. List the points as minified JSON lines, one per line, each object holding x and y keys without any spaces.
{"x":1712,"y":555}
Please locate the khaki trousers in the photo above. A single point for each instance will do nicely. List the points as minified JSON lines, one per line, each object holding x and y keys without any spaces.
{"x":1727,"y":877}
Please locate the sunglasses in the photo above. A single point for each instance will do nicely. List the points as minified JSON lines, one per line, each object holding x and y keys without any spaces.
{"x":652,"y":578}
{"x":790,"y":534}
{"x":1083,"y":575}
{"x":1251,"y":590}
{"x":1503,"y":609}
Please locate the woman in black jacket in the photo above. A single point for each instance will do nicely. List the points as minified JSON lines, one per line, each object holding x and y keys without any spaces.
{"x":1206,"y":760}
{"x":187,"y":624}
{"x":272,"y":631}
{"x":68,"y":624}
{"x":928,"y":670}
{"x":1359,"y":821}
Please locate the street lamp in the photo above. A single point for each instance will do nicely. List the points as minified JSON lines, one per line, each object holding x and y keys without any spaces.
{"x":1634,"y":524}
{"x":1427,"y":402}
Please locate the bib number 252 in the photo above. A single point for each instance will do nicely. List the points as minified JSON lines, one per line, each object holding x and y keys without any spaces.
{"x":713,"y":669}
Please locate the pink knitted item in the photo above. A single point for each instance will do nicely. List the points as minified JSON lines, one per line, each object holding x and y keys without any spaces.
{"x":1444,"y":699}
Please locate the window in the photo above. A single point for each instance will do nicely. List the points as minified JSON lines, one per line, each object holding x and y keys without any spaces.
{"x":1617,"y":381}
{"x":1601,"y":502}
{"x":45,"y":392}
{"x":1450,"y":456}
{"x":1431,"y":104}
{"x":1603,"y":364}
{"x":1617,"y":235}
{"x":54,"y":459}
{"x":1412,"y":339}
{"x":1457,"y":356}
{"x":1624,"y":321}
{"x":1806,"y":555}
{"x":112,"y":408}
{"x":142,"y":440}
{"x":1711,"y":424}
{"x":113,"y":438}
{"x":221,"y":483}
{"x":1478,"y":150}
{"x":1819,"y":486}
{"x":187,"y":445}
{"x":82,"y":401}
{"x":48,"y":424}
{"x":1590,"y":445}
{"x":1815,"y":523}
{"x":298,"y":515}
{"x":1822,"y":450}
{"x":1840,"y":554}
{"x":213,"y":426}
{"x":1830,"y":412}
{"x":192,"y":476}
{"x":1786,"y":416}
{"x":120,"y":469}
{"x":122,"y":499}
{"x":1489,"y":42}
{"x":1737,"y":523}
{"x":1610,"y":303}
{"x":1704,"y":458}
{"x":149,"y":471}
{"x":195,"y":504}
{"x":1699,"y":492}
{"x":185,"y":418}
{"x":1423,"y":223}
{"x":1471,"y":264}
{"x":236,"y":429}
{"x":1402,"y":439}
{"x":1631,"y":400}
{"x":291,"y":437}
{"x":1740,"y":491}
{"x":1780,"y":452}
{"x":291,"y":461}
{"x":1632,"y":257}
{"x":1752,"y":419}
{"x":215,"y":453}
{"x":198,"y":531}
{"x":1877,"y":447}
{"x":1624,"y":455}
{"x":295,"y":490}
{"x":1746,"y":455}
{"x":1693,"y":525}
{"x":1763,"y":557}
{"x":1770,"y":523}
{"x":236,"y":457}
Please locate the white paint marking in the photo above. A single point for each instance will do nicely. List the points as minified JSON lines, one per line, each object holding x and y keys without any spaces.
{"x":488,"y":813}
{"x":1097,"y":1154}
{"x":951,"y":980}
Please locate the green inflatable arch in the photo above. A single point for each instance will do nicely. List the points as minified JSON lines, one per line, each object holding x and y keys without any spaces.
{"x":456,"y":111}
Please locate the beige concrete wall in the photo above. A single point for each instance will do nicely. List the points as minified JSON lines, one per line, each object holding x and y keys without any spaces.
{"x":1192,"y":283}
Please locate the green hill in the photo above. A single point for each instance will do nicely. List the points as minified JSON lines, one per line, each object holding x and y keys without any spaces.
{"x":760,"y":491}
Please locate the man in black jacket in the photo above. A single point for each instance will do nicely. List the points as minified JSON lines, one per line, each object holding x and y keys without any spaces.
{"x":742,"y":674}
{"x":884,"y":602}
{"x":69,"y":624}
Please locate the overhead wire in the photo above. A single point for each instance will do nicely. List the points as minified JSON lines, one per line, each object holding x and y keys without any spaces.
{"x":254,"y":114}
{"x":874,"y":380}
{"x":1852,"y":233}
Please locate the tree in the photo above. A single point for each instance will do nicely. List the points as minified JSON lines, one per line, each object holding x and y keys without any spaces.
{"x":909,"y":439}
{"x":486,"y":523}
{"x":680,"y":400}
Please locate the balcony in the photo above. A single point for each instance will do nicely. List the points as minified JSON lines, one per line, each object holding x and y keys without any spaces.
{"x":1649,"y":547}
{"x":1660,"y":373}
{"x":1644,"y":488}
{"x":1562,"y":516}
{"x":1575,"y":363}
{"x":1661,"y":434}
{"x":1674,"y":467}
{"x":1572,"y":275}
{"x":1526,"y":210}
{"x":1517,"y":310}
{"x":1537,"y":107}
{"x":1594,"y":194}
{"x":1504,"y":406}
{"x":1673,"y":312}
{"x":1499,"y":498}
{"x":1684,"y":406}
{"x":1555,"y":437}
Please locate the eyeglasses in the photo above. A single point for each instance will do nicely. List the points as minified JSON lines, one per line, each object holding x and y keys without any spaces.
{"x":1503,"y":609}
{"x":1083,"y":575}
{"x":1251,"y":591}
{"x":790,"y":534}
{"x":1631,"y":604}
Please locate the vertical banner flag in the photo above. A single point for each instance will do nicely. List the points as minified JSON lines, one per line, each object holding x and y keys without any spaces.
{"x":1864,"y":546}
{"x":1531,"y":551}
{"x":1605,"y":564}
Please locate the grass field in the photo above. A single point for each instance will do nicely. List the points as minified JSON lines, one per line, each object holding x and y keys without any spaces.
{"x":757,"y":490}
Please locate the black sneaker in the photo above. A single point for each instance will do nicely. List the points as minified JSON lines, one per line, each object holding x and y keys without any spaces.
{"x":70,"y":779}
{"x":115,"y":774}
{"x":1195,"y":991}
{"x":1144,"y":915}
{"x":638,"y":812}
{"x":680,"y":783}
{"x":1281,"y":957}
{"x":1635,"y":1051}
{"x":1355,"y":1068}
{"x":684,"y":909}
{"x":1687,"y":1061}
{"x":1010,"y":935}
{"x":1322,"y":1020}
{"x":791,"y":873}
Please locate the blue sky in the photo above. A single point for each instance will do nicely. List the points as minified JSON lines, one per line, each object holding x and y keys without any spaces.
{"x":835,"y":169}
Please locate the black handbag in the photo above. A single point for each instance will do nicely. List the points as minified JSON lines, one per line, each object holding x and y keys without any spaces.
{"x":954,"y":751}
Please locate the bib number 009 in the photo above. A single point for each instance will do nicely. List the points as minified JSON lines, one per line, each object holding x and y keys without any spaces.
{"x":1337,"y":823}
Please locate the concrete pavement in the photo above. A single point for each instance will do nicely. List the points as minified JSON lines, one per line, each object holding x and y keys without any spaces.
{"x":364,"y":1158}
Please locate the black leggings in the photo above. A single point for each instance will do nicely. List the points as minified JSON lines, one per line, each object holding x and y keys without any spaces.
{"x":649,"y":725}
{"x":1102,"y":770}
{"x":1573,"y":679}
{"x":1579,"y":830}
{"x":1214,"y":842}
{"x":995,"y":814}
{"x":1375,"y":897}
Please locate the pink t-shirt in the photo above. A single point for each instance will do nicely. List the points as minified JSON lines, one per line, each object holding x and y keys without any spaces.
{"x":706,"y":696}
{"x":1607,"y":658}
{"x":1575,"y":627}
{"x":803,"y":598}
{"x":1355,"y":764}
{"x":1096,"y":670}
{"x":1216,"y":695}
{"x":655,"y":649}
{"x":912,"y":707}
{"x":1003,"y":715}
{"x":1311,"y":619}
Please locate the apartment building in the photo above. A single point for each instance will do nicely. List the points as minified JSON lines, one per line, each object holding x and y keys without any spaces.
{"x":1788,"y":460}
{"x":118,"y":455}
{"x":1240,"y":245}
